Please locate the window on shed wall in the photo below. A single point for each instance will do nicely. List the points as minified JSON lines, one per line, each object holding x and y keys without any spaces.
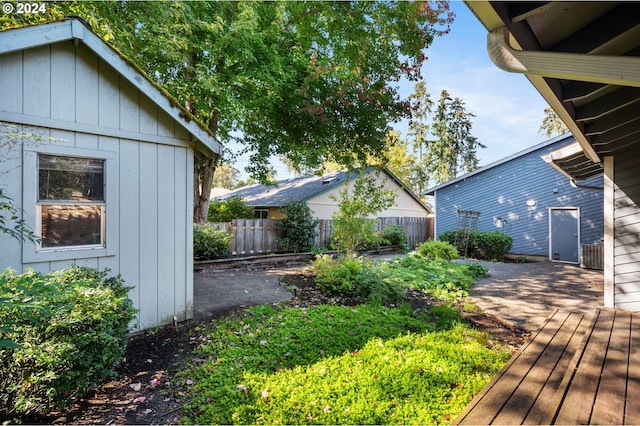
{"x":71,"y":202}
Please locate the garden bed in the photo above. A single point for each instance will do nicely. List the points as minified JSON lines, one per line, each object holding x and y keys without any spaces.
{"x":146,"y":392}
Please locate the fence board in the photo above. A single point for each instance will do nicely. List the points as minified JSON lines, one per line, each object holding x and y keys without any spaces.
{"x":261,"y":236}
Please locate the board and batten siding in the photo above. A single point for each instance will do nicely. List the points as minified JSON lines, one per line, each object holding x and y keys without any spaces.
{"x":323,"y":206}
{"x":77,"y":103}
{"x":626,"y":232}
{"x":501,"y":195}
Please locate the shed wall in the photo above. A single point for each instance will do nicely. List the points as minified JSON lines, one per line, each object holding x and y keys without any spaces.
{"x":501,"y":194}
{"x":67,"y":93}
{"x":626,"y":217}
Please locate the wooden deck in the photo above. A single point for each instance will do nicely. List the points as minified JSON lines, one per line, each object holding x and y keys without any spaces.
{"x":576,"y":370}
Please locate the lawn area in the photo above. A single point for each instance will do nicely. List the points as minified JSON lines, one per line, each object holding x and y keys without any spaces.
{"x":335,"y":364}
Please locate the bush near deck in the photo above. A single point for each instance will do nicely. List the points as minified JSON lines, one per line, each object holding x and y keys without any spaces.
{"x":66,"y":331}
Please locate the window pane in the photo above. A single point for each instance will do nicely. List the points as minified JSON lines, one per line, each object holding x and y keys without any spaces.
{"x":70,"y":178}
{"x":71,"y":225}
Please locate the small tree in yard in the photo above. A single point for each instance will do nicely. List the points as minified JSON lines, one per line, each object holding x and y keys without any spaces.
{"x":299,"y":227}
{"x":353,"y":226}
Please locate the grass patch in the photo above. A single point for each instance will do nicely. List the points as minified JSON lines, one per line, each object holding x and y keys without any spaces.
{"x":368,"y":364}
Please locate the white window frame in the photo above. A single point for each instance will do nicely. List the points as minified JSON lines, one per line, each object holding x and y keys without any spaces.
{"x":33,"y":215}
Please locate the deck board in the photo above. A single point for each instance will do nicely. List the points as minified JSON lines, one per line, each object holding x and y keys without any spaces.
{"x":576,"y":370}
{"x":510,"y":396}
{"x":632,"y":409}
{"x":613,"y":383}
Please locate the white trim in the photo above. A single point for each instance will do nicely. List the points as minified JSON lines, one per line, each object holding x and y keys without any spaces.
{"x":577,"y":210}
{"x":609,"y":240}
{"x":90,"y":129}
{"x":30,"y":252}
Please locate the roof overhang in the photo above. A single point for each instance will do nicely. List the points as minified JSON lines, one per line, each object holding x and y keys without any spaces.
{"x":583,"y":58}
{"x":74,"y":30}
{"x":572,"y":162}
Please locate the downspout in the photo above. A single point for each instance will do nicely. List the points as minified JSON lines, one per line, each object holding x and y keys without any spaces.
{"x":578,"y":186}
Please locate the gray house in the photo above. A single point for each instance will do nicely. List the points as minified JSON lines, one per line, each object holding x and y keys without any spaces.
{"x":100,"y":162}
{"x":547,"y":215}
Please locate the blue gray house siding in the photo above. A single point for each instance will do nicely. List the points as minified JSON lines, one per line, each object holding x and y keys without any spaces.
{"x":504,"y":191}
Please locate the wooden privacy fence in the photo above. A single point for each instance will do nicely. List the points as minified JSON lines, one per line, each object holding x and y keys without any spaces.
{"x":261,"y":236}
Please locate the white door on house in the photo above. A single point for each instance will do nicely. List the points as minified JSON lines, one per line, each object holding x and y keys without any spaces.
{"x":564,"y":234}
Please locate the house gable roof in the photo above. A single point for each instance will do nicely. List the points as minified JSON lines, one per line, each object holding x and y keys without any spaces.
{"x":28,"y":37}
{"x":303,"y":189}
{"x":565,"y":138}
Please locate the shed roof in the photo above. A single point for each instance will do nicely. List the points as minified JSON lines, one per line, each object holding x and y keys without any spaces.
{"x":564,"y":138}
{"x":302,"y":189}
{"x":74,"y":29}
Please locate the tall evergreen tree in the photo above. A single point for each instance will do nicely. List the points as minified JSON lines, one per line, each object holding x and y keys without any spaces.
{"x":444,"y":144}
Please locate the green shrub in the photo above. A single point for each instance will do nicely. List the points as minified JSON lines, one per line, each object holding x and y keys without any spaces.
{"x":336,"y":277}
{"x":70,"y":336}
{"x":481,"y":244}
{"x":356,"y":277}
{"x":437,"y":250}
{"x":491,"y":245}
{"x":209,"y":243}
{"x":394,"y":235}
{"x":298,"y":226}
{"x":226,"y":211}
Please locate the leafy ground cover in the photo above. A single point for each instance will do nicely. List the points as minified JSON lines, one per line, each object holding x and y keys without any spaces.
{"x":167,"y":372}
{"x":334,"y":364}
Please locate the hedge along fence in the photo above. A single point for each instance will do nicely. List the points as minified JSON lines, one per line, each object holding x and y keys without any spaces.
{"x":261,"y":236}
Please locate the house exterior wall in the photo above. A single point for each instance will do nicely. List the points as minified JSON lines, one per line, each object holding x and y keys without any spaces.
{"x":323,"y":206}
{"x":67,"y":93}
{"x":622,"y":271}
{"x":501,"y":194}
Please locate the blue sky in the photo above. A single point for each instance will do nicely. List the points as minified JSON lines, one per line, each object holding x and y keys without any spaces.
{"x":508,"y":109}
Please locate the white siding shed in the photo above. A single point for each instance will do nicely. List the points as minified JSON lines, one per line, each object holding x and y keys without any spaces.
{"x":71,"y":105}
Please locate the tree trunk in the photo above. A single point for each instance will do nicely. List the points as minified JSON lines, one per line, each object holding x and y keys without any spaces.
{"x":203,"y":179}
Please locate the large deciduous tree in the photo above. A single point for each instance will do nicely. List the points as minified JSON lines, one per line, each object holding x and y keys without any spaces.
{"x":311,"y":81}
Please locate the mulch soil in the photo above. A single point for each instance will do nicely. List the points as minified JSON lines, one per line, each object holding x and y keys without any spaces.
{"x":145,"y":393}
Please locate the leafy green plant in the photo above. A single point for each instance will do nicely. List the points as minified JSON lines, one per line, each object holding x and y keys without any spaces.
{"x":437,"y":250}
{"x":226,"y":211}
{"x":209,"y":243}
{"x":368,"y":364}
{"x":481,"y":244}
{"x":445,"y":280}
{"x":360,"y":278}
{"x":298,"y":226}
{"x":394,"y":235}
{"x":10,"y":222}
{"x":70,"y":337}
{"x":336,"y":276}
